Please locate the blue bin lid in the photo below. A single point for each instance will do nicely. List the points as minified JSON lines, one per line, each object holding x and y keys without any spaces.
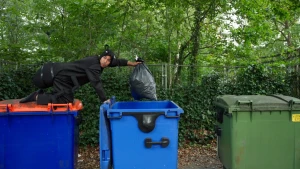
{"x":167,"y":108}
{"x":145,"y":112}
{"x":161,"y":105}
{"x":13,"y":106}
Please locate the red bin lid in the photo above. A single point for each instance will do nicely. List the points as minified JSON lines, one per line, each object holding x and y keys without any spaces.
{"x":14,"y":106}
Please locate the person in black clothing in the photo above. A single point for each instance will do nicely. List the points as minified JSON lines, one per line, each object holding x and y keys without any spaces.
{"x":65,"y":78}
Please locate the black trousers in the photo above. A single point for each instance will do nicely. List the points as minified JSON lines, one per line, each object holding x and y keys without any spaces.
{"x":62,"y":89}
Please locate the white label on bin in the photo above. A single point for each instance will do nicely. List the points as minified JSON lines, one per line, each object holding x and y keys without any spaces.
{"x":296,"y":117}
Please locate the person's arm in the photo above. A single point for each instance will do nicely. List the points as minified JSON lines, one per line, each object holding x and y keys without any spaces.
{"x":123,"y":62}
{"x":118,"y":62}
{"x":93,"y":76}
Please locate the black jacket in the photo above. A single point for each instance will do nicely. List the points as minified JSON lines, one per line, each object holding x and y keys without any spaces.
{"x":86,"y":70}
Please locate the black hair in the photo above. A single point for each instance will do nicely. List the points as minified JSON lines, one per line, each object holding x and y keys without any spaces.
{"x":108,"y":52}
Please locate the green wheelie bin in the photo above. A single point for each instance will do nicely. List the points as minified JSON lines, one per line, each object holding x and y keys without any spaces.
{"x":258,"y":131}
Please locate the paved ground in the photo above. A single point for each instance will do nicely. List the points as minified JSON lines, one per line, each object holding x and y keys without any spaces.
{"x":203,"y":162}
{"x":198,"y":157}
{"x":188,"y":158}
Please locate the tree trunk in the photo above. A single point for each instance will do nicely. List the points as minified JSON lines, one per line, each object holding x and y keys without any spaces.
{"x":179,"y":61}
{"x":195,"y":45}
{"x":194,"y":40}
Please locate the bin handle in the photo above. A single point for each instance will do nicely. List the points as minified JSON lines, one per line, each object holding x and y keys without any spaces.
{"x":172,"y":116}
{"x":164,"y":142}
{"x":118,"y":115}
{"x":5,"y":107}
{"x":67,"y":106}
{"x":244,"y":102}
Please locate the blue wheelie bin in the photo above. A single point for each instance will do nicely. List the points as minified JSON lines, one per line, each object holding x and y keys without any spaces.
{"x":38,"y":137}
{"x":139,"y":135}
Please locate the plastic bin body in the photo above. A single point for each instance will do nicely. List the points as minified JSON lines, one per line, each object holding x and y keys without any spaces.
{"x":35,"y":137}
{"x":144,"y":134}
{"x":258,"y":132}
{"x":104,"y":139}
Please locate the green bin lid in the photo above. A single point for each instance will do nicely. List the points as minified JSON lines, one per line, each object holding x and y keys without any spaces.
{"x":257,"y":102}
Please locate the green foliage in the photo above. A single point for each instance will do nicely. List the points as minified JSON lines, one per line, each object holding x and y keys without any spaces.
{"x":266,"y":28}
{"x":197,"y":122}
{"x":258,"y":79}
{"x":116,"y":82}
{"x":16,"y":83}
{"x":237,"y":32}
{"x":8,"y":87}
{"x":89,"y":127}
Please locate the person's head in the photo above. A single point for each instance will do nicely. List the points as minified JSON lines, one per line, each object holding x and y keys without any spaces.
{"x":105,"y":61}
{"x":106,"y":58}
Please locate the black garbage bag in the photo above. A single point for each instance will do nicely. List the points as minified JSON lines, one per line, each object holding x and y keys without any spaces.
{"x":142,"y":84}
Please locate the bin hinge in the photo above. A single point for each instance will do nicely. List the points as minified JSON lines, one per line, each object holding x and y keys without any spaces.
{"x":105,"y":155}
{"x":292,"y":102}
{"x":218,"y":131}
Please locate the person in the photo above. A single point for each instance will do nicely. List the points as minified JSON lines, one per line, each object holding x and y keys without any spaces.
{"x":66,"y":78}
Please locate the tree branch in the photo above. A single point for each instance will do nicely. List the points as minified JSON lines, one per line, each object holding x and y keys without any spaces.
{"x":205,"y":53}
{"x":281,"y":32}
{"x":272,"y":43}
{"x":206,"y":12}
{"x":210,"y":46}
{"x":186,"y":56}
{"x":188,"y":18}
{"x":123,"y":27}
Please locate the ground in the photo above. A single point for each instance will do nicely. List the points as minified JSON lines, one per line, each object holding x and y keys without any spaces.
{"x":189,"y":157}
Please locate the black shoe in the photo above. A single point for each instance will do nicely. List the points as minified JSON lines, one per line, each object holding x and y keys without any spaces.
{"x":40,"y":91}
{"x":31,"y":97}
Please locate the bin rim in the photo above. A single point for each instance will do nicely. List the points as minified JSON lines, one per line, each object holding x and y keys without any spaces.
{"x":13,"y":106}
{"x":239,"y":103}
{"x":176,"y":108}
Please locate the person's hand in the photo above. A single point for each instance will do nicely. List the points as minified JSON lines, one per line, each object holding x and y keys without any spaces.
{"x":133,"y":63}
{"x":107,"y":101}
{"x":136,"y":63}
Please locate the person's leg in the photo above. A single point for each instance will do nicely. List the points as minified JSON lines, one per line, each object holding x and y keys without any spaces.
{"x":64,"y":98}
{"x":62,"y":92}
{"x":31,"y":97}
{"x":62,"y":87}
{"x":44,"y":98}
{"x":38,"y":82}
{"x":37,"y":79}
